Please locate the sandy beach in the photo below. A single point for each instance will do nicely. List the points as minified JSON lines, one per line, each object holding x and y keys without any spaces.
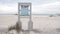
{"x":43,"y":23}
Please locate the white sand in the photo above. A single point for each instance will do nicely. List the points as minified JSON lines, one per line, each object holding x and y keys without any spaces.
{"x":39,"y":22}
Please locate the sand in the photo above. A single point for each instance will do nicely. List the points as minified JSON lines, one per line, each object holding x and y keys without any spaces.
{"x":43,"y":23}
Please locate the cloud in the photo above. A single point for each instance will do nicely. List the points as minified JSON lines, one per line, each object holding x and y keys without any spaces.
{"x":9,"y":1}
{"x":49,"y":8}
{"x":6,"y":8}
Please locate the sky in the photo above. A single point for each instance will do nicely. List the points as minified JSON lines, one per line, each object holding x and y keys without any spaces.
{"x":38,"y":6}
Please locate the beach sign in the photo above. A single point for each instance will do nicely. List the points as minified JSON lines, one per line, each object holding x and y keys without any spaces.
{"x":25,"y":9}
